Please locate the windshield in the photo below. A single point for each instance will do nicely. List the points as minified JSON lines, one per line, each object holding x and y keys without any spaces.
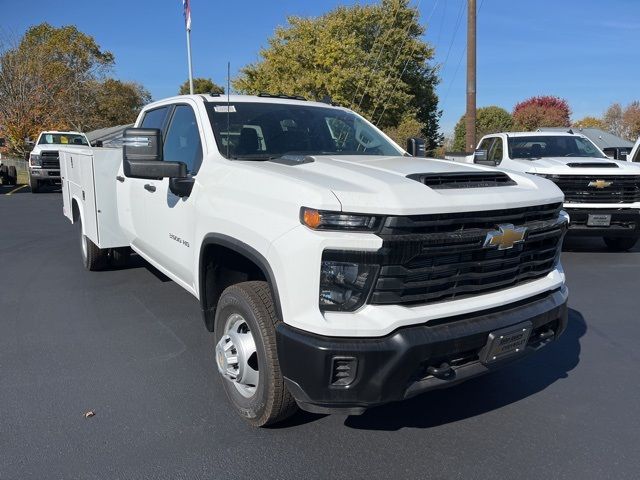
{"x":62,"y":139}
{"x":539,"y":146}
{"x":260,"y":131}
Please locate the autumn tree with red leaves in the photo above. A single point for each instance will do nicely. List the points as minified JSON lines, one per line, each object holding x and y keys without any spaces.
{"x":544,"y":111}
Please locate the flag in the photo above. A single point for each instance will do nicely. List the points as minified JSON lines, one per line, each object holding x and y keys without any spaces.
{"x":186,"y":4}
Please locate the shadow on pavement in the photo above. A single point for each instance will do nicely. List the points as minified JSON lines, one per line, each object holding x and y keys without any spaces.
{"x":590,"y":244}
{"x":475,"y":397}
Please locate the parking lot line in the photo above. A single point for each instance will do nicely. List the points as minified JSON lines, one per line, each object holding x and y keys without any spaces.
{"x":16,"y":189}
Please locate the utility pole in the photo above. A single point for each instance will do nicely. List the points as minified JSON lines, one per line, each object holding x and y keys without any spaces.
{"x":470,"y":117}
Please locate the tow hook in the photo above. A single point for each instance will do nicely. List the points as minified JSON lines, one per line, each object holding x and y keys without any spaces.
{"x":443,"y":372}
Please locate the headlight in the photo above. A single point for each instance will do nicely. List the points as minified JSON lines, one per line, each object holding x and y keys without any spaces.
{"x":35,"y":160}
{"x":324,"y":220}
{"x":344,"y":286}
{"x":548,"y":176}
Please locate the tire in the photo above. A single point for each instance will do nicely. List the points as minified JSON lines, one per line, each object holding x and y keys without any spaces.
{"x":13,"y":175}
{"x":4,"y":174}
{"x":620,"y":244}
{"x":93,"y":258}
{"x":247,"y":310}
{"x":34,"y":185}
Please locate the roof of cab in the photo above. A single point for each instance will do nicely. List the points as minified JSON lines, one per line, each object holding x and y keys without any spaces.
{"x":242,"y":98}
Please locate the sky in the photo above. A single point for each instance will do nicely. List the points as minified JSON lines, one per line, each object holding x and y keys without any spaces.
{"x":586,"y":51}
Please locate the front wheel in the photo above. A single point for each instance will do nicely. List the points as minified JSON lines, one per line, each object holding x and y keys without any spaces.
{"x":246,"y":354}
{"x":34,"y":185}
{"x":620,"y":244}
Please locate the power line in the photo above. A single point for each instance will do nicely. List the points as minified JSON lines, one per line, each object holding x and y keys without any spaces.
{"x":404,"y":69}
{"x":373,"y":47}
{"x":455,"y":33}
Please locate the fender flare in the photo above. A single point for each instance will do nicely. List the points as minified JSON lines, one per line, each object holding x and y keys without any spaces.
{"x":245,"y":250}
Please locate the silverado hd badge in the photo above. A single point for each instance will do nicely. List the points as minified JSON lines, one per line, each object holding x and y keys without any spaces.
{"x":505,"y":237}
{"x":600,"y":183}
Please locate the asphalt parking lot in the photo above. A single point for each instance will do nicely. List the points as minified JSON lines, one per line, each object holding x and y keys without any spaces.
{"x":130,"y":345}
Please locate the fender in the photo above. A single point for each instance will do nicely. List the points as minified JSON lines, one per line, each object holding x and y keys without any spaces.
{"x":245,"y":250}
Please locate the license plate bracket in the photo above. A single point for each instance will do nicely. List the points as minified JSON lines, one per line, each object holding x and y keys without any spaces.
{"x":598,"y":220}
{"x":506,"y":342}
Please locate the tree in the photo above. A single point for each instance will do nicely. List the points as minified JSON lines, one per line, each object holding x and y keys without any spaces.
{"x":545,"y":111}
{"x":408,"y":127}
{"x":46,"y":81}
{"x":200,"y":86}
{"x":117,"y":103}
{"x":55,"y":78}
{"x":631,"y":121}
{"x":367,"y":57}
{"x":590,"y":122}
{"x":613,"y":120}
{"x":490,"y":119}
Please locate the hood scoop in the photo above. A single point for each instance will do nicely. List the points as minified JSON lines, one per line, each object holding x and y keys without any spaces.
{"x":592,"y":165}
{"x":460,"y":180}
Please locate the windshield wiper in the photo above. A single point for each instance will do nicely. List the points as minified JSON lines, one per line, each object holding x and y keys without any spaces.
{"x":254,"y":157}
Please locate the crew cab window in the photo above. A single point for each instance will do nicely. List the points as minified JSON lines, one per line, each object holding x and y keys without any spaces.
{"x":182,"y":142}
{"x":495,"y":153}
{"x":155,"y":118}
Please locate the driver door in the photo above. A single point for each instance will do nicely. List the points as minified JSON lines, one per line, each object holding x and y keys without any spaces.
{"x":171,"y":219}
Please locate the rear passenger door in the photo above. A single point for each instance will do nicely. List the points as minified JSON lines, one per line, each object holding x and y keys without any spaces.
{"x":171,"y":219}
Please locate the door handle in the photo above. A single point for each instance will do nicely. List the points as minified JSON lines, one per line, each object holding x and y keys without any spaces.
{"x":149,"y":187}
{"x":120,"y":179}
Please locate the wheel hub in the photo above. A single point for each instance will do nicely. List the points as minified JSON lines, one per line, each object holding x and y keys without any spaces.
{"x":236,"y":355}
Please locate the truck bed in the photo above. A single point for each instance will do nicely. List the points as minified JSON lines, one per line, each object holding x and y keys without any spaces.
{"x":89,"y":178}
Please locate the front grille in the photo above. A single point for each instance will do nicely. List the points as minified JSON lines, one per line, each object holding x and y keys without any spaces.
{"x":430,"y":258}
{"x":440,"y":181}
{"x":50,"y":160}
{"x":590,"y":189}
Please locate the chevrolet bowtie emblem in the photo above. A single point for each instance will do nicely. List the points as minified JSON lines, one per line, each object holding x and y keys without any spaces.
{"x":600,"y":183}
{"x":505,"y":237}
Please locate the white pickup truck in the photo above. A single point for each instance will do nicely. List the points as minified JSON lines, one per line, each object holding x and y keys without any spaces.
{"x":634,"y":155}
{"x":44,"y":162}
{"x":602,"y":196}
{"x":336,"y":271}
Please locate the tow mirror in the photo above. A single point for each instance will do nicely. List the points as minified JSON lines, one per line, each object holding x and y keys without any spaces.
{"x":481,"y":157}
{"x":142,"y":155}
{"x":416,"y":147}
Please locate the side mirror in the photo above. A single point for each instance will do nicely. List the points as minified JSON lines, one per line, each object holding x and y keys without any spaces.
{"x":482,"y":157}
{"x":416,"y":147}
{"x":142,"y":156}
{"x":97,"y":143}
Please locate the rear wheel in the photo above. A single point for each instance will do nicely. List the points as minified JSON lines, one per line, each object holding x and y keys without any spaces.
{"x":620,"y":244}
{"x":93,"y":258}
{"x":246,"y":354}
{"x":4,"y":174}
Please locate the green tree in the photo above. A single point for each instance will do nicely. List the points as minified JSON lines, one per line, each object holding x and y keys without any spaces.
{"x":544,"y":111}
{"x":200,"y":86}
{"x":117,"y":103}
{"x":367,"y":57}
{"x":490,"y":119}
{"x":589,"y":122}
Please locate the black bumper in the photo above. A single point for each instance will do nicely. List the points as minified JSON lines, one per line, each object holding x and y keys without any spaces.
{"x":406,"y":362}
{"x":625,"y":222}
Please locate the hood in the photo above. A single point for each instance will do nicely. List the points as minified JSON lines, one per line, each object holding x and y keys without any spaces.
{"x":578,"y":166}
{"x":376,"y":184}
{"x":55,"y":148}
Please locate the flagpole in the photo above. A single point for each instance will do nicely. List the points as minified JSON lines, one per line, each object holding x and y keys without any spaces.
{"x":189,"y":60}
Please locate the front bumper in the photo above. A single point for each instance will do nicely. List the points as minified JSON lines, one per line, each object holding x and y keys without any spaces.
{"x":625,"y":222}
{"x":45,"y":174}
{"x":397,"y":366}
